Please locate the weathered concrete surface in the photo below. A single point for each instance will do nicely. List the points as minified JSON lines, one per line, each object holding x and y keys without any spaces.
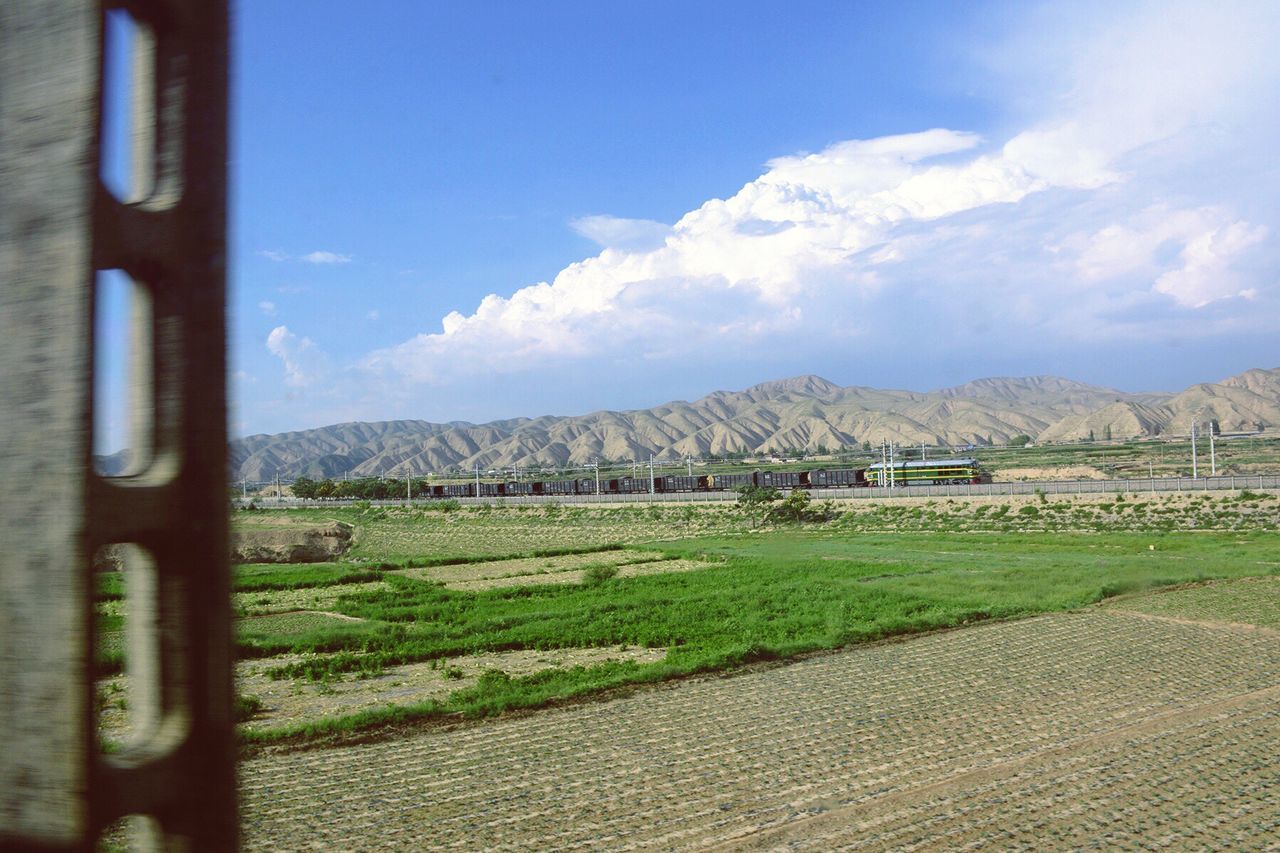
{"x":58,"y":228}
{"x":48,"y":96}
{"x":307,"y":545}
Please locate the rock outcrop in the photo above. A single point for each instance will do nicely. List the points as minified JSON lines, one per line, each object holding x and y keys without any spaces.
{"x":292,"y":544}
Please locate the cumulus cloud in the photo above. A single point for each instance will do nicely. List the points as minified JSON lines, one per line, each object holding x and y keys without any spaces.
{"x":273,"y":255}
{"x":1187,"y":254}
{"x":268,"y":308}
{"x":323,"y":257}
{"x":1106,"y":207}
{"x":304,"y":363}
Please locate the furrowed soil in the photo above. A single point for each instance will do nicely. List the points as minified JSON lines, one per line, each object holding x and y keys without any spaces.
{"x":1103,"y":728}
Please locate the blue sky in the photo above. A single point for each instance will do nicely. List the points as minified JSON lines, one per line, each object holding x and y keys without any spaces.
{"x":487,"y":210}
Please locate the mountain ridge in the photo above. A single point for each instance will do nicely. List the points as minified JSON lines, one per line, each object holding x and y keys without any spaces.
{"x":804,"y":411}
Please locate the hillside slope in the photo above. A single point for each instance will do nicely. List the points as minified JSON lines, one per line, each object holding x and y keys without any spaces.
{"x":802,"y":412}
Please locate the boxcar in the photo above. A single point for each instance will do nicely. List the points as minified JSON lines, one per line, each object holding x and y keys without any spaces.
{"x":781,"y":479}
{"x":840,"y":478}
{"x":628,"y":485}
{"x":681,"y":484}
{"x":555,"y":487}
{"x":729,"y":482}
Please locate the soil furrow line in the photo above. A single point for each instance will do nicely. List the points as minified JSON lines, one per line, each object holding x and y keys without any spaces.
{"x":893,"y":799}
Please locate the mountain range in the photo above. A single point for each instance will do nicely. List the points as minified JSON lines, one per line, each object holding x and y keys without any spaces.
{"x":803,"y":412}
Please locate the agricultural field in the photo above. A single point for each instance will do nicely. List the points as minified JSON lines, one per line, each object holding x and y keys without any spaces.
{"x":1092,"y":728}
{"x":968,"y":640}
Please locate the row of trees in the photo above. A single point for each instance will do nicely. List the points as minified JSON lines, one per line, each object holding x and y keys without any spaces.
{"x":366,"y":488}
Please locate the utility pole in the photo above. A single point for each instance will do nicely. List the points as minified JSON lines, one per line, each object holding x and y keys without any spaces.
{"x":923,"y":457}
{"x":408,"y":487}
{"x":597,"y":464}
{"x":1213,"y":456}
{"x":650,"y":473}
{"x":477,"y":479}
{"x":689,"y":462}
{"x":893,"y":472}
{"x":1193,"y":450}
{"x":884,"y":463}
{"x":279,"y":495}
{"x":244,"y":489}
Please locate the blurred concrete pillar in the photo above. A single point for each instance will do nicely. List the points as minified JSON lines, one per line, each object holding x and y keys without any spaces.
{"x":58,"y":226}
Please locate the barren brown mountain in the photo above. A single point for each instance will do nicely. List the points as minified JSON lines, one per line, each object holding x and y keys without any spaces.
{"x":802,"y":412}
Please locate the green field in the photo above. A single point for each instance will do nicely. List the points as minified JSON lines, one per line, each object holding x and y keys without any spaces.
{"x":468,"y":602}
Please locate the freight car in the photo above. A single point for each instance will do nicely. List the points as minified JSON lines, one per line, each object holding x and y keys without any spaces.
{"x":934,"y":472}
{"x":681,"y":484}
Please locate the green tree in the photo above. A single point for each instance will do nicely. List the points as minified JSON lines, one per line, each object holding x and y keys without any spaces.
{"x":754,"y":502}
{"x":866,"y":445}
{"x":305,"y":488}
{"x":794,"y":509}
{"x":1106,"y":432}
{"x":1020,"y":441}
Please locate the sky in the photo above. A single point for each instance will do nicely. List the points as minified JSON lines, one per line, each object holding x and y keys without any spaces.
{"x":476,"y":211}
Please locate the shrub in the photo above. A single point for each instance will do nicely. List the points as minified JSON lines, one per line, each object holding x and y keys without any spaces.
{"x":247,"y":706}
{"x":598,"y":574}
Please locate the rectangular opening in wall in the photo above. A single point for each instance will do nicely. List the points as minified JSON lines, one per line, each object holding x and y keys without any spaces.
{"x":122,"y":399}
{"x":127,"y":645}
{"x":109,"y":646}
{"x":119,"y":87}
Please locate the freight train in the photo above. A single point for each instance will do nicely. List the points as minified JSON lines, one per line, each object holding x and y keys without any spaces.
{"x":917,"y":473}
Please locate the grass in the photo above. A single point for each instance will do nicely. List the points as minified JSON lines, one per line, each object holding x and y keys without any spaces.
{"x":272,"y":576}
{"x":879,"y":569}
{"x":765,"y":596}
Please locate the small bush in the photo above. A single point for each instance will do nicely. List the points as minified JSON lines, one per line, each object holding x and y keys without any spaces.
{"x":247,"y":706}
{"x":598,"y":574}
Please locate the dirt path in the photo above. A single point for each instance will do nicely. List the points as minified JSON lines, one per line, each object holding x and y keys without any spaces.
{"x":1056,"y":732}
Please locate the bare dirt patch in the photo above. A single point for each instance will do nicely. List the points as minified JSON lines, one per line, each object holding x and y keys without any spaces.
{"x":525,"y":566}
{"x":572,"y":576}
{"x":309,"y":598}
{"x":1065,"y":472}
{"x":290,"y":701}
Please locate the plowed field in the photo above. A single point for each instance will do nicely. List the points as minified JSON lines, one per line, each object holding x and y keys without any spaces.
{"x":1101,"y":728}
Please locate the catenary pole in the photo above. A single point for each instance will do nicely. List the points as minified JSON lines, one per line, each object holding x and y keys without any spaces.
{"x":1193,"y":450}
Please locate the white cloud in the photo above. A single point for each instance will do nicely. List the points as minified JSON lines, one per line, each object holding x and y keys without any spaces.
{"x":304,"y":364}
{"x":268,"y":308}
{"x":1106,"y":210}
{"x":1187,"y":254}
{"x":273,"y":255}
{"x":323,"y":257}
{"x":614,"y":232}
{"x":372,"y":315}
